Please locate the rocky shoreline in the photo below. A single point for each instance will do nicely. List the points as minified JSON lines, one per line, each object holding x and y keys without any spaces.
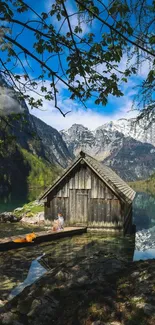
{"x":31,"y":213}
{"x":8,"y":217}
{"x":104,"y":292}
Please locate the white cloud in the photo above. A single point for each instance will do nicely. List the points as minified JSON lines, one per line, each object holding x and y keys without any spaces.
{"x":87,"y":117}
{"x":142,"y":68}
{"x":74,"y":18}
{"x":90,"y":117}
{"x":8,"y":102}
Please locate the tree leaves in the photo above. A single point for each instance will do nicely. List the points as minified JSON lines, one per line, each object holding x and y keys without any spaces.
{"x":118,"y":7}
{"x":81,"y":46}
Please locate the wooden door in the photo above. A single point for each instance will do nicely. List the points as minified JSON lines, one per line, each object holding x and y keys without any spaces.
{"x":78,"y":207}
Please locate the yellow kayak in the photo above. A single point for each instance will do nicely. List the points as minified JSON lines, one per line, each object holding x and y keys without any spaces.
{"x":27,"y":239}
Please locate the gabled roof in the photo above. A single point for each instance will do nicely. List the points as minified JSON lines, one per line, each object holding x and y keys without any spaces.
{"x":120,"y":188}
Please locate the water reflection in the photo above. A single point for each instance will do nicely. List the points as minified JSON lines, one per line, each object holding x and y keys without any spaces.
{"x":144,"y":211}
{"x":144,"y":218}
{"x":36,"y":270}
{"x":11,"y":201}
{"x":144,"y":255}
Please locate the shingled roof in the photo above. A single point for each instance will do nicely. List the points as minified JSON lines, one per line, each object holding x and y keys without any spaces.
{"x":121,"y":189}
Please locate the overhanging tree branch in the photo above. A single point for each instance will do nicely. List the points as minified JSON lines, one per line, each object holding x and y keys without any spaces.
{"x":53,"y":73}
{"x":114,"y":29}
{"x":88,"y":63}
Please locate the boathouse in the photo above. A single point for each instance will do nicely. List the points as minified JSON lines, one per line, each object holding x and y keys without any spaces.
{"x":90,"y":194}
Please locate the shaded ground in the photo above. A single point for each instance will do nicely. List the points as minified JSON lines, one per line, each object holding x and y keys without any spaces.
{"x":112,"y":293}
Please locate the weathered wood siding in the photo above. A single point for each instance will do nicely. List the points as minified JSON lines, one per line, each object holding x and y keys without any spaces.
{"x":84,"y":199}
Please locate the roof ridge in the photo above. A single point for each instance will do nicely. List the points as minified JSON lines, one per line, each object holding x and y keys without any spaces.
{"x":107,"y":175}
{"x":115,"y":180}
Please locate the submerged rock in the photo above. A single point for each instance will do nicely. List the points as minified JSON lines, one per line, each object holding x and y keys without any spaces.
{"x":9,"y":217}
{"x":8,"y":318}
{"x":3,"y":302}
{"x":86,"y":285}
{"x":97,"y":322}
{"x":113,"y":265}
{"x":149,"y":310}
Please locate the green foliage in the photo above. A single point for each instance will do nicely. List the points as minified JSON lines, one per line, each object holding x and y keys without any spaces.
{"x":41,"y":173}
{"x":122,"y":28}
{"x":20,"y":170}
{"x":30,"y":209}
{"x":145,"y":185}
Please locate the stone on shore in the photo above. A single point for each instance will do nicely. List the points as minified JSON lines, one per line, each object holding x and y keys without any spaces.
{"x":9,"y":217}
{"x":38,"y":218}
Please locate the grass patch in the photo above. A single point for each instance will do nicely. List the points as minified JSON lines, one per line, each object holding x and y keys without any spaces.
{"x":41,"y":175}
{"x":30,"y":209}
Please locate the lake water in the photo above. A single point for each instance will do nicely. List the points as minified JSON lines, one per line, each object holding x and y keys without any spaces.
{"x":21,"y":267}
{"x":144,"y":219}
{"x":12,"y":201}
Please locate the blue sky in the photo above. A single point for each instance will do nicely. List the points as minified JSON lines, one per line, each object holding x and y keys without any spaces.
{"x":94,"y":115}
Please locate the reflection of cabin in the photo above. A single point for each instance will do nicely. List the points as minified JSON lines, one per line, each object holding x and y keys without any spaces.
{"x":90,"y":194}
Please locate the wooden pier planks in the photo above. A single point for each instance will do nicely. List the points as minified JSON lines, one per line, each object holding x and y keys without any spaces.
{"x":43,"y":236}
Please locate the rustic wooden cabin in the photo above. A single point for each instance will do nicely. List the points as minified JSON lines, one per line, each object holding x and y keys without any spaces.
{"x":90,"y":194}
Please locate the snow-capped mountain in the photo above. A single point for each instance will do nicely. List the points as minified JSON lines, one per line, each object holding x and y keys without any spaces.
{"x":130,"y":158}
{"x":141,"y":130}
{"x":55,"y":149}
{"x":99,"y":143}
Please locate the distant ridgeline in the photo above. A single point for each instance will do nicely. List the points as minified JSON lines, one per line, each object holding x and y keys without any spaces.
{"x":147,"y":185}
{"x":32,"y":153}
{"x":118,"y":146}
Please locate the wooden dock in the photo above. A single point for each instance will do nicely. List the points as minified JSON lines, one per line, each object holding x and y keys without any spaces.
{"x":42,"y":236}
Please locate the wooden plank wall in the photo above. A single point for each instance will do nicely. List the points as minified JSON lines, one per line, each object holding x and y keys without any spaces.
{"x":84,"y":199}
{"x":104,"y":213}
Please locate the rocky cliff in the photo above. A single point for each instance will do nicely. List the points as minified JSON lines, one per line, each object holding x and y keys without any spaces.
{"x":31,"y":152}
{"x":31,"y":133}
{"x":130,"y":158}
{"x":54,"y":148}
{"x":143,"y":130}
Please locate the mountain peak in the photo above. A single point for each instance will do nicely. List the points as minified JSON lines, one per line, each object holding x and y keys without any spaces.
{"x":113,"y":144}
{"x":76,"y":126}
